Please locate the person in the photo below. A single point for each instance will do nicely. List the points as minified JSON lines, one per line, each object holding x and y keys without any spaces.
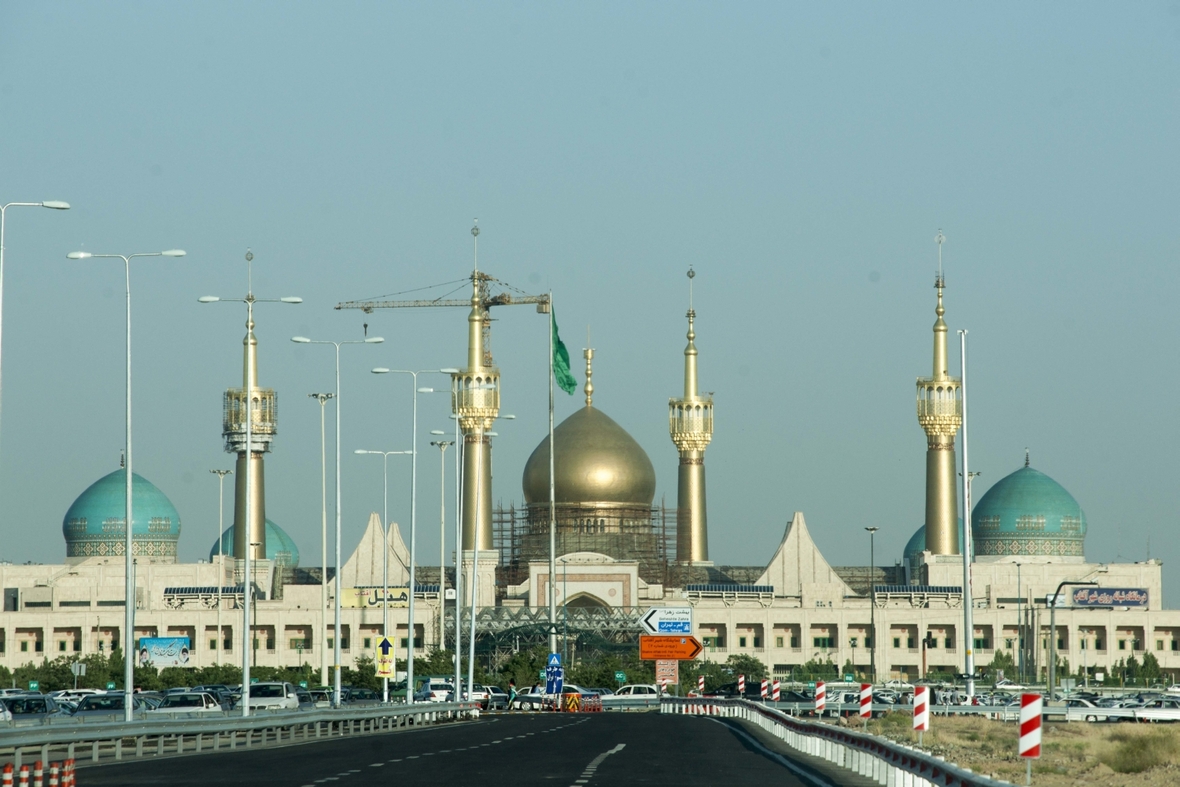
{"x":511,"y":692}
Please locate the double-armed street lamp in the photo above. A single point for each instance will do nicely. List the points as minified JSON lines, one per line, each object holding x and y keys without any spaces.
{"x":442,"y":446}
{"x":336,"y":641}
{"x":221,"y":474}
{"x":323,"y":398}
{"x":385,"y":542}
{"x":129,"y":587}
{"x":413,"y":514}
{"x":872,"y":605}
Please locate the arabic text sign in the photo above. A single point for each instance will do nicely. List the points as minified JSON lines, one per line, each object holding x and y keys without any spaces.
{"x":667,"y":620}
{"x":163,"y":651}
{"x":668,"y":670}
{"x":1109,"y":597}
{"x":362,"y":598}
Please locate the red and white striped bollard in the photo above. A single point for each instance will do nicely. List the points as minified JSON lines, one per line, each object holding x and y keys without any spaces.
{"x":866,"y":701}
{"x":1030,"y":731}
{"x":741,"y":685}
{"x":821,"y":697}
{"x":921,"y":711}
{"x":700,"y":684}
{"x":774,"y":691}
{"x":765,"y":688}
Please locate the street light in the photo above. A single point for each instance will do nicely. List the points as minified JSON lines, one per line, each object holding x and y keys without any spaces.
{"x":1019,"y":628}
{"x":128,"y":524}
{"x":51,"y":204}
{"x":385,"y":556}
{"x":1053,"y":629}
{"x":221,"y":474}
{"x":872,"y":606}
{"x":246,"y":458}
{"x":323,"y":398}
{"x":442,"y":445}
{"x":336,"y":642}
{"x":413,"y":518}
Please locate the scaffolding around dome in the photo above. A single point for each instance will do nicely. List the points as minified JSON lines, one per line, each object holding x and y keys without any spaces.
{"x":645,"y":534}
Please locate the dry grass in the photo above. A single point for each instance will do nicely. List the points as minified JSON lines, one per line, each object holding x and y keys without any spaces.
{"x":1110,"y":755}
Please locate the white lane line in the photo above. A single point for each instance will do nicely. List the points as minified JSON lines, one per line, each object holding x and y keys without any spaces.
{"x":373,"y":765}
{"x":593,"y":766}
{"x":810,"y":778}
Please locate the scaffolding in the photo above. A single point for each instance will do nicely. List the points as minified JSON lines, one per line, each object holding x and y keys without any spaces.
{"x":647,"y":535}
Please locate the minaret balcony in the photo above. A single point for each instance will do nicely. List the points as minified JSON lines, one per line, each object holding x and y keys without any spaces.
{"x":475,"y":397}
{"x":265,"y":410}
{"x":690,"y":422}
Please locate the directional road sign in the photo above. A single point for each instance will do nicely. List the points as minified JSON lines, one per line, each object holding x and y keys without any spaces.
{"x":385,"y":658}
{"x":111,"y":683}
{"x":665,"y":647}
{"x":621,"y":677}
{"x":554,"y":674}
{"x":34,"y":685}
{"x":667,"y":620}
{"x":668,"y":671}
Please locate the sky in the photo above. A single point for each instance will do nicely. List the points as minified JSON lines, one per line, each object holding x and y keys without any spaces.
{"x":799,"y":157}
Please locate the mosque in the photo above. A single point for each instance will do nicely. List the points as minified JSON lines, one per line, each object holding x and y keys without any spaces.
{"x":617,"y":553}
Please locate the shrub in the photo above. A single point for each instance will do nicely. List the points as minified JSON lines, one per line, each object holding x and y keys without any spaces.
{"x":1138,"y":753}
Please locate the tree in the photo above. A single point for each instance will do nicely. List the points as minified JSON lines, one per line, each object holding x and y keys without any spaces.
{"x":1001,"y":662}
{"x":1150,"y":671}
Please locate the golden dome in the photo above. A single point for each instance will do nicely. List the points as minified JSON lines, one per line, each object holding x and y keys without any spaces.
{"x":596,"y":462}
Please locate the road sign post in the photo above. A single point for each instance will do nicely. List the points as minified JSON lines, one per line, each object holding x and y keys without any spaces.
{"x":554,"y":674}
{"x":667,"y":620}
{"x":384,"y":662}
{"x":656,"y":648}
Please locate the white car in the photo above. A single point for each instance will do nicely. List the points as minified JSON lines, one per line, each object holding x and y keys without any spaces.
{"x":189,"y":702}
{"x":637,"y":689}
{"x":274,"y":696}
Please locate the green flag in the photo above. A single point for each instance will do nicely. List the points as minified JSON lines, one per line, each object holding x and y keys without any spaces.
{"x":561,"y":360}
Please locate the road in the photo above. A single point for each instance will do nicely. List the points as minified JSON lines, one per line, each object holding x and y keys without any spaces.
{"x":512,"y":750}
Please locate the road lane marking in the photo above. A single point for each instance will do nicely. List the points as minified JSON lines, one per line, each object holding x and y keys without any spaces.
{"x":806,"y":776}
{"x":588,"y":773}
{"x":374,"y":765}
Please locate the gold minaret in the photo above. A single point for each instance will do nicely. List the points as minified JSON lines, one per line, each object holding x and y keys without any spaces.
{"x":263,"y":431}
{"x":690,"y":420}
{"x":475,"y":399}
{"x":940,"y":414}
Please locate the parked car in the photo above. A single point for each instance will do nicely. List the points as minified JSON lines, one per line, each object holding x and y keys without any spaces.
{"x":359,"y":696}
{"x":29,"y":707}
{"x":187,"y":702}
{"x":497,"y":698}
{"x":321,"y":698}
{"x":433,"y":690}
{"x":108,"y":707}
{"x":635,"y":689}
{"x":273,"y":696}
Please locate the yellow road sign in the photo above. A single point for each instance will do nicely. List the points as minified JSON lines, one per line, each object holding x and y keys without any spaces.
{"x":385,"y":658}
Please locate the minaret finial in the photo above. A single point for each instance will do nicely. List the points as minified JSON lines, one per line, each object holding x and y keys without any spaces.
{"x":475,"y":235}
{"x":249,"y":271}
{"x":939,"y":239}
{"x":1026,"y":456}
{"x":588,"y":353}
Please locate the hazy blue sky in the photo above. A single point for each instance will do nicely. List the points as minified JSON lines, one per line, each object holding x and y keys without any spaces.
{"x":801,"y":157}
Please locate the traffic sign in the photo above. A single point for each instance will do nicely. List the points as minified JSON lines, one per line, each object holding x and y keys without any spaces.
{"x":303,"y":684}
{"x":667,"y":620}
{"x":621,"y":677}
{"x":34,"y":685}
{"x":385,"y":658}
{"x":541,"y":675}
{"x":554,"y":674}
{"x":921,"y":708}
{"x":1030,"y":726}
{"x":554,"y":660}
{"x":664,"y":647}
{"x":668,"y":671}
{"x":110,"y":685}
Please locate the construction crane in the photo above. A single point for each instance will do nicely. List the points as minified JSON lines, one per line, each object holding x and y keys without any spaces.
{"x":487,"y":299}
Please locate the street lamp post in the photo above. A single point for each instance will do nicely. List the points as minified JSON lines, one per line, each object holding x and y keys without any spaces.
{"x":1019,"y":628}
{"x":1053,"y":629}
{"x":442,"y":445}
{"x":413,"y":515}
{"x":323,"y":398}
{"x":51,"y":204}
{"x":385,"y":541}
{"x":872,"y":605}
{"x":221,"y":474}
{"x":128,"y":524}
{"x":336,"y":630}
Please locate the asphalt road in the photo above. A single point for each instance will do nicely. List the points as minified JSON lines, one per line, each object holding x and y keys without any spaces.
{"x":512,"y":750}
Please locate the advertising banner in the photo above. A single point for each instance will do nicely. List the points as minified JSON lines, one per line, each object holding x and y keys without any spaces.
{"x":1109,"y":597}
{"x":362,"y":598}
{"x":163,"y":651}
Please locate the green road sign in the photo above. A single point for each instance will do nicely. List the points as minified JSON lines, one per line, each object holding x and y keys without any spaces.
{"x":253,"y":681}
{"x":811,"y":685}
{"x":849,"y":678}
{"x":110,"y":685}
{"x":303,"y":684}
{"x":541,"y":675}
{"x":34,"y":685}
{"x":621,"y":677}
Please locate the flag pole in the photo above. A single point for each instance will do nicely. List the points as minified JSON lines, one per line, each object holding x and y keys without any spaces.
{"x":552,"y":501}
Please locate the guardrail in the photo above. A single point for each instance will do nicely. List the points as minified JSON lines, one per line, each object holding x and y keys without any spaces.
{"x":881,"y":760}
{"x":155,"y":737}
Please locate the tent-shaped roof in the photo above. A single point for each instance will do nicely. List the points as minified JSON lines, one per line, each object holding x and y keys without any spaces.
{"x":798,"y":562}
{"x":364,"y":566}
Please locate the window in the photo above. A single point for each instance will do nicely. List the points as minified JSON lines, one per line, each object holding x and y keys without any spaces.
{"x":1082,"y":644}
{"x":24,"y":646}
{"x":852,"y":642}
{"x":741,"y":642}
{"x":897,"y":642}
{"x":868,"y":642}
{"x":331,"y":640}
{"x":1060,"y":643}
{"x":368,"y":642}
{"x":77,"y":646}
{"x":757,"y":642}
{"x":710,"y":642}
{"x":343,"y":643}
{"x":778,"y":642}
{"x":1008,"y":643}
{"x":38,"y":646}
{"x":1159,"y":644}
{"x":909,"y":643}
{"x":270,"y":643}
{"x":1175,"y":643}
{"x":822,"y":642}
{"x":61,"y":646}
{"x":255,"y":645}
{"x":213,"y":644}
{"x":227,"y":643}
{"x":794,"y":642}
{"x":1098,"y":644}
{"x":1122,"y":644}
{"x":299,"y":644}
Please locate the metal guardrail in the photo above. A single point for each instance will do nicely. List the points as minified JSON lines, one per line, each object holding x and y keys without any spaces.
{"x":156,"y":736}
{"x":881,"y":760}
{"x":636,"y":702}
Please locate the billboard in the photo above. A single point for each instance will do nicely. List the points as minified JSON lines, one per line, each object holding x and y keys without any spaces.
{"x":363,"y":598}
{"x":163,"y":651}
{"x":1109,"y":597}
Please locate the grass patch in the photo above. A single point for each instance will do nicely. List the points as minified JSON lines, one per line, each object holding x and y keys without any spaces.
{"x":1138,"y":753}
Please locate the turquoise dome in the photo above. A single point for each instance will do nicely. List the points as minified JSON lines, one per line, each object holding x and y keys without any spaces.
{"x":279,"y":546}
{"x":1028,"y":513}
{"x":917,"y":543}
{"x":94,"y":525}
